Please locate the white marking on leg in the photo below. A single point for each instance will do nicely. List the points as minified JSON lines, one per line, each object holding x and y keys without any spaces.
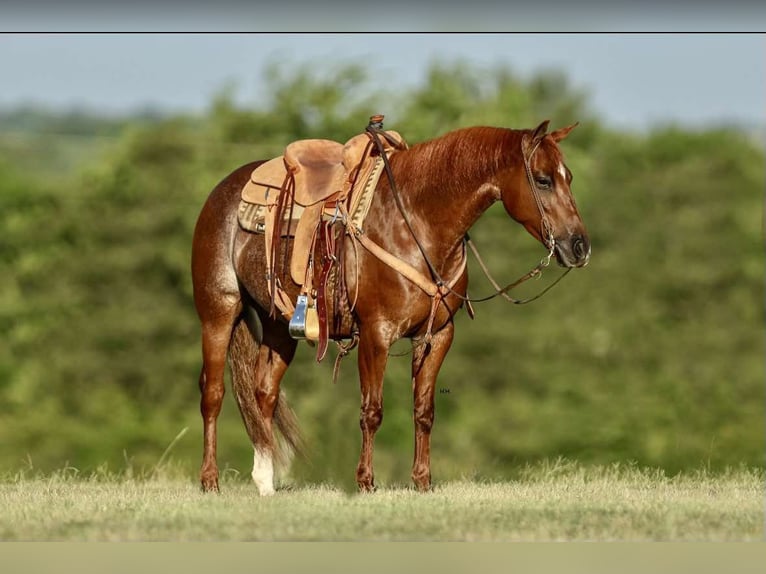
{"x":263,"y":472}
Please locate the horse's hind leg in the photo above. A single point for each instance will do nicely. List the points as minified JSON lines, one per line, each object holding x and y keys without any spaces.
{"x":373,"y":354}
{"x":257,"y":370}
{"x":216,"y":334}
{"x":424,"y":371}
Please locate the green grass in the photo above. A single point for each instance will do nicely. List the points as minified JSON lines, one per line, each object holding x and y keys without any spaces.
{"x":551,"y":502}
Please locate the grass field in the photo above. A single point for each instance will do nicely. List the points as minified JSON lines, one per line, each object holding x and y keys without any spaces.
{"x":550,"y":502}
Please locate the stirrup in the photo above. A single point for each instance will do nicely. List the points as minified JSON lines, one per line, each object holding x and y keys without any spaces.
{"x":304,"y":323}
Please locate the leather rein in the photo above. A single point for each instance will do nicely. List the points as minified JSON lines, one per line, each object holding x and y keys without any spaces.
{"x":375,"y":130}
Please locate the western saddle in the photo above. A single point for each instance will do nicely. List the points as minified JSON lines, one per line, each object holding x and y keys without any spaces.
{"x":301,"y":195}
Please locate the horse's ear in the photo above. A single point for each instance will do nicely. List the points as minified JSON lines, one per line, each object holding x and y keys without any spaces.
{"x":559,"y":135}
{"x":529,"y":142}
{"x":540,"y":131}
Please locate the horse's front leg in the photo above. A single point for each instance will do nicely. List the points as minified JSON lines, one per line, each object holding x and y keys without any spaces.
{"x":373,"y":354}
{"x":426,"y":362}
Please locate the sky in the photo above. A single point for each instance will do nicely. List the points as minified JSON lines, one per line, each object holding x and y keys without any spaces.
{"x":633,"y":79}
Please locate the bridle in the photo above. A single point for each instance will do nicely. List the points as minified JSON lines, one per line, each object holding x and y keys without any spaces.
{"x":546,"y":230}
{"x":375,"y":130}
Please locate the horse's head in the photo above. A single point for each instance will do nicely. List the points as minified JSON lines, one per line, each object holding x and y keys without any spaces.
{"x":537,"y":194}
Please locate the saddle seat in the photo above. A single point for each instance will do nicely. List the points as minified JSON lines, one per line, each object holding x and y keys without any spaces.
{"x":320,"y":170}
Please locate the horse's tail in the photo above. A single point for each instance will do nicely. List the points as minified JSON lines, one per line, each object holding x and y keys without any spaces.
{"x":243,"y":356}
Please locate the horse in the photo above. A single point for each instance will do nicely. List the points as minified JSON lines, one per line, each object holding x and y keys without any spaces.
{"x":421,"y":214}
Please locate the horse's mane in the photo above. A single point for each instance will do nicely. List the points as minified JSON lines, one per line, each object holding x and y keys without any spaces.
{"x":462,"y":155}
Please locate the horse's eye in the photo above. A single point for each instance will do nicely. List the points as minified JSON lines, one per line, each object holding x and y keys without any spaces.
{"x":544,"y":181}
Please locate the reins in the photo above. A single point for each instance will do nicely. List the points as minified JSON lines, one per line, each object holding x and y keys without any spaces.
{"x":535,"y":272}
{"x":375,"y":130}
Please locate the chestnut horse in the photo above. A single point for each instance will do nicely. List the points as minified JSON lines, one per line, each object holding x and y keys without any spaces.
{"x":443,"y":185}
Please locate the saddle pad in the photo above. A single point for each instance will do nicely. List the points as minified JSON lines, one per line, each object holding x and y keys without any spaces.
{"x":360,"y":202}
{"x":252,"y":217}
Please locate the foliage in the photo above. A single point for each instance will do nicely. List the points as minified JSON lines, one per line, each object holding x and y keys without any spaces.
{"x":653,"y":353}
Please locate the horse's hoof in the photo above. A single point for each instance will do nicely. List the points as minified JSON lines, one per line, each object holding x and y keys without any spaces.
{"x":266,"y":490}
{"x":367,"y":487}
{"x":422,"y":484}
{"x":209,"y":484}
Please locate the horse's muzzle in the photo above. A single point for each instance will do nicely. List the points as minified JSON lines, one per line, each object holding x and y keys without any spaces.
{"x":573,"y":252}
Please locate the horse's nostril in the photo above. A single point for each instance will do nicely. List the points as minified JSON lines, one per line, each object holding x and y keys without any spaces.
{"x":578,"y":247}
